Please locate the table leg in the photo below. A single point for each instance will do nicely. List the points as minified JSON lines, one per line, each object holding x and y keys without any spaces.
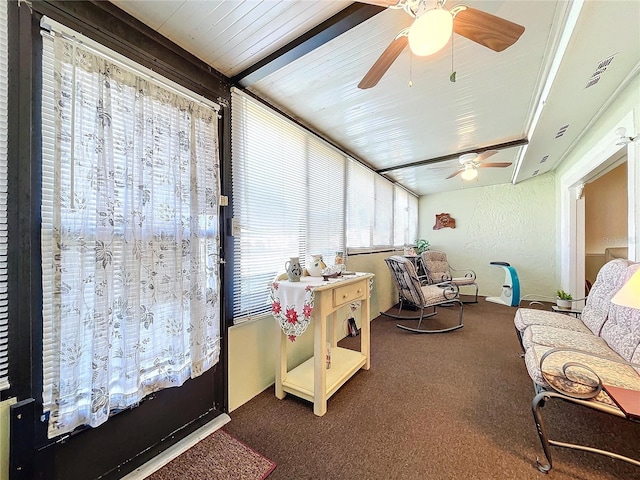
{"x":320,"y":366}
{"x":281,"y":367}
{"x":365,"y":340}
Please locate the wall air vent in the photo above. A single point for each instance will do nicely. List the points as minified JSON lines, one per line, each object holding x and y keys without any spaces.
{"x":535,"y":173}
{"x":562,"y":131}
{"x":600,"y":69}
{"x":544,"y":159}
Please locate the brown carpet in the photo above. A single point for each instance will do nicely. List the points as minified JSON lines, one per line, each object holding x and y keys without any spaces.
{"x":220,"y":456}
{"x":446,"y":406}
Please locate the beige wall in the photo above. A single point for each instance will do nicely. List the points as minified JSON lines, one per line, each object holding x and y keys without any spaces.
{"x":253,"y":345}
{"x":508,"y":223}
{"x":605,"y":218}
{"x":5,"y":421}
{"x":606,"y":211}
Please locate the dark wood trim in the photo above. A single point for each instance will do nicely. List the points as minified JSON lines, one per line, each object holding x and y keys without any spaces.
{"x":331,"y":28}
{"x":451,"y":156}
{"x":22,"y":416}
{"x":23,"y":211}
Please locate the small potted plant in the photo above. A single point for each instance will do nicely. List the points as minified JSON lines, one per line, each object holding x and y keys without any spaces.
{"x":563,"y":299}
{"x":421,"y":245}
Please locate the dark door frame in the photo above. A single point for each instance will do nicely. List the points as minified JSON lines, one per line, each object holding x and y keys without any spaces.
{"x":134,"y":436}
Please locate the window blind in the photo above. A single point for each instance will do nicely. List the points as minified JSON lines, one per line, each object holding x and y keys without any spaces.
{"x":380,"y":215}
{"x":405,"y":217}
{"x":288,"y":200}
{"x":4,"y":95}
{"x":360,"y":206}
{"x":383,"y":215}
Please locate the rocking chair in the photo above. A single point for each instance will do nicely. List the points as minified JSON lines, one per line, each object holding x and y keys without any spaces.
{"x":412,"y":292}
{"x":438,"y":270}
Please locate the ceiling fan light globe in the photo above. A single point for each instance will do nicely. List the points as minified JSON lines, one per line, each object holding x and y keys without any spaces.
{"x":469,"y":173}
{"x":430,"y":32}
{"x":621,"y":131}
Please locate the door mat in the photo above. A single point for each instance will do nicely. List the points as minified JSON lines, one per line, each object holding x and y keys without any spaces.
{"x":220,"y":456}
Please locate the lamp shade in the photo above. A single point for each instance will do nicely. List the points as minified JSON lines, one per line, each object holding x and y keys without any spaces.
{"x":629,"y":294}
{"x":430,"y":32}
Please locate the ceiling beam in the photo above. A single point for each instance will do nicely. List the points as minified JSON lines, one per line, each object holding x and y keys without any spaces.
{"x":331,"y":28}
{"x":498,"y":146}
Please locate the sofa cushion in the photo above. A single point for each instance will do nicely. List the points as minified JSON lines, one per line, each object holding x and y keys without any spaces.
{"x":622,"y":328}
{"x":609,"y":280}
{"x":609,"y":371}
{"x":560,"y":337}
{"x":531,"y":316}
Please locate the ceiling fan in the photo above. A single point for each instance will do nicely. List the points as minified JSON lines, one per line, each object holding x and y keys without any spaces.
{"x":433,"y":28}
{"x":472,"y":161}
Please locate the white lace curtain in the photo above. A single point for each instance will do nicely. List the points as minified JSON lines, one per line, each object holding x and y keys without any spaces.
{"x":130,"y":241}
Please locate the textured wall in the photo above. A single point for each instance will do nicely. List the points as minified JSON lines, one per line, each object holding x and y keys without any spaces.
{"x":509,"y":223}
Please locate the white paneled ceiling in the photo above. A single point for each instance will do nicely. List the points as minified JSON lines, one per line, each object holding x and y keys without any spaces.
{"x":231,"y":35}
{"x":492,"y":102}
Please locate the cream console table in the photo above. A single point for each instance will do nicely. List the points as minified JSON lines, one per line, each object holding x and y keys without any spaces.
{"x":312,"y":380}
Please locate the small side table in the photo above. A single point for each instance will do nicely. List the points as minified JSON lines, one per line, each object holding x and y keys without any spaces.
{"x":575,"y":312}
{"x":312,"y":380}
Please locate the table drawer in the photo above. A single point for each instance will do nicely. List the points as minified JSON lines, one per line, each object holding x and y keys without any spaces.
{"x":349,"y":293}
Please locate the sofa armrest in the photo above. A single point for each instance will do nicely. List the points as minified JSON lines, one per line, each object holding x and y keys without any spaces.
{"x":580,"y":374}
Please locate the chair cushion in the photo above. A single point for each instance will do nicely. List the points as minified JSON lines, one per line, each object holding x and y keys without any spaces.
{"x":531,"y":316}
{"x":434,"y":295}
{"x":560,"y":337}
{"x":436,"y":265}
{"x":463,"y":281}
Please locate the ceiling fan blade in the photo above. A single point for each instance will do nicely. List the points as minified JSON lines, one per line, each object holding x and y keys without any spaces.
{"x":488,"y":30}
{"x":495,"y":164}
{"x":484,"y":155}
{"x":382,"y":3}
{"x":383,"y":63}
{"x":455,"y":173}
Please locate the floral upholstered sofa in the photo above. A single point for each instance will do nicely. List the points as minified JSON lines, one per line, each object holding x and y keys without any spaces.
{"x":575,"y":359}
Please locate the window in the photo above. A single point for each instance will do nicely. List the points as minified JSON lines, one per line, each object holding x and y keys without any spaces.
{"x":380,"y":215}
{"x":130,"y":243}
{"x":288,"y":200}
{"x":294,"y":195}
{"x":405,"y":217}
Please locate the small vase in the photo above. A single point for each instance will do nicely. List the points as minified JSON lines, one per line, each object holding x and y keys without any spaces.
{"x":293,"y":268}
{"x":339,"y":262}
{"x":317,"y":266}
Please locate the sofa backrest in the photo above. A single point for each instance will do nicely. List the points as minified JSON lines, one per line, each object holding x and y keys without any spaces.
{"x":621,"y":331}
{"x":609,"y":280}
